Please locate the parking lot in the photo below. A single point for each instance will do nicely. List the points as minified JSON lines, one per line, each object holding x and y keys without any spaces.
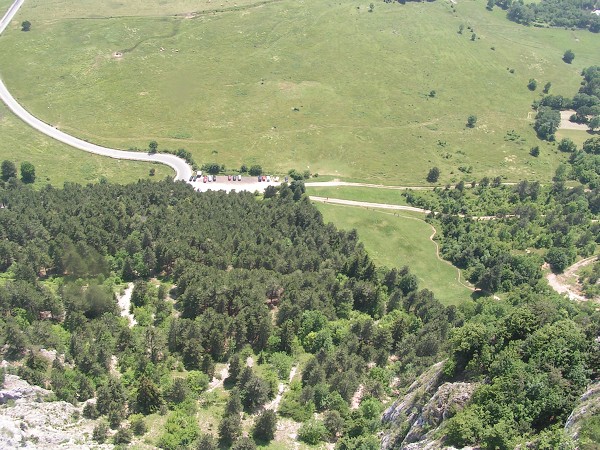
{"x":248,"y":183}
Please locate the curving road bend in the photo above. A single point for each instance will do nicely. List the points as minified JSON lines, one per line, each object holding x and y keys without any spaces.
{"x":182,"y":169}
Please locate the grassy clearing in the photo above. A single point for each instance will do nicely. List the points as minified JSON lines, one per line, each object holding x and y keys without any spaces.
{"x":56,"y":163}
{"x":361,"y":194}
{"x":330,"y":87}
{"x":577,"y":136}
{"x":395,"y":241}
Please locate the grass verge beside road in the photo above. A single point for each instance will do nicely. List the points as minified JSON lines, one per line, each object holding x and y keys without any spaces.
{"x":56,"y":163}
{"x":399,"y":240}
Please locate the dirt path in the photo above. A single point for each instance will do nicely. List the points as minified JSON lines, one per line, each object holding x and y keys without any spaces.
{"x":215,"y":383}
{"x":561,"y":283}
{"x":124,"y":302}
{"x":274,"y":405}
{"x":339,"y":201}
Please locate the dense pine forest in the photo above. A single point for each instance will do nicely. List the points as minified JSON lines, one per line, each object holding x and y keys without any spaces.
{"x":219,"y":278}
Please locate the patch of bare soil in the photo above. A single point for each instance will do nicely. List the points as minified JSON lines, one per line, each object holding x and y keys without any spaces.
{"x":566,"y":124}
{"x":563,"y":283}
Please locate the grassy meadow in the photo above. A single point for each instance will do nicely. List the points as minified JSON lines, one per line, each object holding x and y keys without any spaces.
{"x":319,"y":85}
{"x":56,"y":163}
{"x":400,"y":239}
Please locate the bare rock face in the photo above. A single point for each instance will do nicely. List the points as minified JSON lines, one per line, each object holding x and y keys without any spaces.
{"x":416,"y":417}
{"x":588,"y":406}
{"x":28,"y":421}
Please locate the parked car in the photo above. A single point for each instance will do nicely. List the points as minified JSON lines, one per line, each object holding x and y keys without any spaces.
{"x":264,"y":178}
{"x":191,"y":177}
{"x":199,"y":173}
{"x":259,"y":178}
{"x":228,"y":177}
{"x":269,"y":178}
{"x":205,"y":178}
{"x":277,"y":179}
{"x":239,"y":178}
{"x":209,"y":178}
{"x":214,"y":178}
{"x":286,"y":179}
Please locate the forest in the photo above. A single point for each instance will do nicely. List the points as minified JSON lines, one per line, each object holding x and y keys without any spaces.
{"x":220,"y":277}
{"x":555,"y":13}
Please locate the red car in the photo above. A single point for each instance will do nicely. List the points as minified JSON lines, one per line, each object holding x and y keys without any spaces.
{"x":205,"y":179}
{"x":264,"y":178}
{"x":228,"y":177}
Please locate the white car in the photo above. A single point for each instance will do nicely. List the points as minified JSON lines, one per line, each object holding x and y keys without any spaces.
{"x":268,"y":178}
{"x":276,"y":179}
{"x":239,"y":178}
{"x":210,"y":178}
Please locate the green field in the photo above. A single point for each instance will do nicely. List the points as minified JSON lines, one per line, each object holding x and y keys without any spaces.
{"x":56,"y":163}
{"x":318,"y":85}
{"x":361,"y":194}
{"x":399,"y":240}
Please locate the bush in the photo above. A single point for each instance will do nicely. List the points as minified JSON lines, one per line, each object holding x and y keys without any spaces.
{"x":471,"y":121}
{"x":100,"y":432}
{"x":122,"y":436}
{"x":212,"y":168}
{"x":312,"y":432}
{"x":568,"y":57}
{"x":532,"y":85}
{"x":244,"y":443}
{"x":433,"y":175}
{"x":138,"y":426}
{"x":256,"y":170}
{"x":90,"y":411}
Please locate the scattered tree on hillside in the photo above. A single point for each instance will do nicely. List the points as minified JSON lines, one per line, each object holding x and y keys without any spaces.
{"x":26,"y":26}
{"x":9,"y":170}
{"x":546,"y":123}
{"x":594,"y":123}
{"x":153,"y":147}
{"x":265,"y":426}
{"x":27,"y":172}
{"x":566,"y":145}
{"x":532,"y":85}
{"x":471,"y":121}
{"x":535,"y":151}
{"x":568,"y":57}
{"x":433,"y":175}
{"x":547,"y":87}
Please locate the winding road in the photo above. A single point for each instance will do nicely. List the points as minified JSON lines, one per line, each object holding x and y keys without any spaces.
{"x":184,"y":172}
{"x":182,"y":169}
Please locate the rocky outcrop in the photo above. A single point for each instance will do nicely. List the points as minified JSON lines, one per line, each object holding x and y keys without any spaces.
{"x":28,"y":420}
{"x":415,"y":418}
{"x":588,"y":406}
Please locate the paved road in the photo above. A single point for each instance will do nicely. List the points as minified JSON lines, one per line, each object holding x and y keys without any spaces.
{"x":182,"y":169}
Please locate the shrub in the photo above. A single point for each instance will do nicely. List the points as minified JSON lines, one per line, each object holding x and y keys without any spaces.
{"x":256,"y":170}
{"x":312,"y":432}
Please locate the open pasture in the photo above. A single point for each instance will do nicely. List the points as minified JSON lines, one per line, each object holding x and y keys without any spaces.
{"x":326,"y":86}
{"x":399,"y":239}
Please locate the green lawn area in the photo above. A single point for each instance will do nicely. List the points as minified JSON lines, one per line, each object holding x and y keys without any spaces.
{"x":56,"y":163}
{"x":396,"y":241}
{"x":324,"y":86}
{"x":361,"y":194}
